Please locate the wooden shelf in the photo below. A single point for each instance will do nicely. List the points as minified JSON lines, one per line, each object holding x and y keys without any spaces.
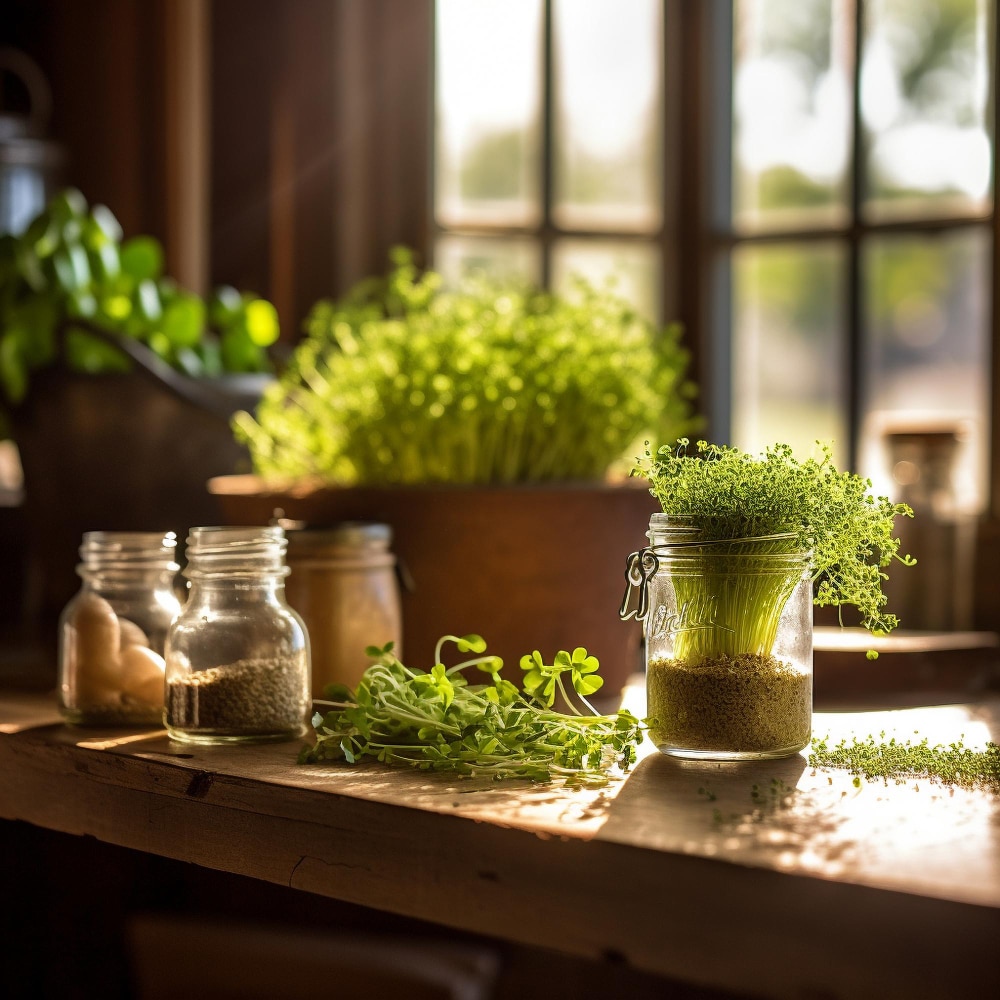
{"x":831,"y":638}
{"x":814,"y":888}
{"x":913,"y":667}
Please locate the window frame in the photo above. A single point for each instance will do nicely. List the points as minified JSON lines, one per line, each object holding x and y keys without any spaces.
{"x":696,"y":238}
{"x":547,"y":232}
{"x":722,"y":239}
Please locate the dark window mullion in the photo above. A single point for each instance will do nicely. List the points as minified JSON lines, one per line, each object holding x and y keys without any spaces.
{"x":713,"y":210}
{"x":434,"y":228}
{"x":547,"y":233}
{"x":993,"y":479}
{"x":697,"y":122}
{"x":671,"y":139}
{"x":852,"y":232}
{"x":854,"y":319}
{"x":649,"y":237}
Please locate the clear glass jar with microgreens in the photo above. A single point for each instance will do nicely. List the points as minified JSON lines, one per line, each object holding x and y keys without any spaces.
{"x":237,"y":656}
{"x":728,"y":629}
{"x":112,"y":632}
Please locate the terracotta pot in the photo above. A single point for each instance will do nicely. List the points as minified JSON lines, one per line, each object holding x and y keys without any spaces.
{"x":527,"y":567}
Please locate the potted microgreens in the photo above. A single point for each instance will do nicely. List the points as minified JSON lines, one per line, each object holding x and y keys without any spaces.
{"x":481,"y":423}
{"x":116,"y":384}
{"x":407,"y":382}
{"x":742,"y":549}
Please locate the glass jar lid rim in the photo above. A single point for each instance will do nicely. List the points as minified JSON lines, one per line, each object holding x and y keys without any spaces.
{"x":233,"y":550}
{"x":127,"y":551}
{"x":689,"y":528}
{"x":235,"y":535}
{"x":344,"y":533}
{"x":108,"y":539}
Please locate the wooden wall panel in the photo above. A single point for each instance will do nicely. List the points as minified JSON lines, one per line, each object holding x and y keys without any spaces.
{"x":243,"y":69}
{"x":106,"y":90}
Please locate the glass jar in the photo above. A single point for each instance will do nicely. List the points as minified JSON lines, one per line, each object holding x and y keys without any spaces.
{"x":112,"y":632}
{"x":728,"y":633}
{"x":237,"y":655}
{"x":343,"y":582}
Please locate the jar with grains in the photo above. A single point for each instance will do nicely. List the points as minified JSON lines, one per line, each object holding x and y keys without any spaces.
{"x":343,"y":582}
{"x":728,"y":635}
{"x":112,"y":632}
{"x":237,"y":656}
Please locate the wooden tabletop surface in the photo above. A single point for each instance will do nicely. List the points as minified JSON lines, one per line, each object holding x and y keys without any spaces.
{"x":769,"y":877}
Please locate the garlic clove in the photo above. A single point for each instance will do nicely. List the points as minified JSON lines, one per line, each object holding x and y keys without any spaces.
{"x":131,"y":634}
{"x":142,"y":675}
{"x":94,"y":664}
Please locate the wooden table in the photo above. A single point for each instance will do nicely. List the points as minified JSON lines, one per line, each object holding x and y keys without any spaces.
{"x":771,"y":878}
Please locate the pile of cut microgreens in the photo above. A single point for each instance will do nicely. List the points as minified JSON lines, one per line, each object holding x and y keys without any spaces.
{"x":436,"y":721}
{"x":743,"y":507}
{"x":955,"y":764}
{"x":404,"y":381}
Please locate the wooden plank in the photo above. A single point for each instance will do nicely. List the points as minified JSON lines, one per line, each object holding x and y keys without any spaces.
{"x":822,"y":887}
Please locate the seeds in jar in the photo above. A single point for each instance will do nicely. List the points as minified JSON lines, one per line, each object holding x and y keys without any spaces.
{"x":729,"y":703}
{"x":251,"y":696}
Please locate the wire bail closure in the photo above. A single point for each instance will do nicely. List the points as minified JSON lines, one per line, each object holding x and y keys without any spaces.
{"x":640,"y":568}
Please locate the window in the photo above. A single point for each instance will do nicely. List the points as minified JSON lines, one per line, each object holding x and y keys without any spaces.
{"x":812,"y":194}
{"x":860,"y":243}
{"x":549,"y":141}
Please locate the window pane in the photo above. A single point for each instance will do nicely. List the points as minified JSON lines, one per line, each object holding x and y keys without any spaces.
{"x":607,"y":94}
{"x":502,"y":259}
{"x":924,"y":98}
{"x":926,"y":355}
{"x":792,"y":112}
{"x":488,"y":112}
{"x":633,"y":267}
{"x":788,"y":348}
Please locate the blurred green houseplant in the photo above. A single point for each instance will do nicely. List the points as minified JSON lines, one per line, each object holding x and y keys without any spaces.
{"x":69,"y":276}
{"x":405,"y":382}
{"x":117,"y":386}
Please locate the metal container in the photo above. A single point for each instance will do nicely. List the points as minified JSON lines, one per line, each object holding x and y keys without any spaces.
{"x":30,"y":164}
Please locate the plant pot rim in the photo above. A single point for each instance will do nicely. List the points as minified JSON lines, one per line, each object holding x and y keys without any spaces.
{"x":250,"y":485}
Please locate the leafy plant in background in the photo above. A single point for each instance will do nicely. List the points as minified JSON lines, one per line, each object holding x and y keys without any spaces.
{"x":436,"y":721}
{"x":69,"y":272}
{"x":404,"y":381}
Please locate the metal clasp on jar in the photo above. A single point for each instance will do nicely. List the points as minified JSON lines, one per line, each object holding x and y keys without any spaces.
{"x":640,"y":568}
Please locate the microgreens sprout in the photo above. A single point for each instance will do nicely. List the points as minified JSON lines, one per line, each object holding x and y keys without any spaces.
{"x":831,"y":517}
{"x":405,"y":381}
{"x":436,"y":720}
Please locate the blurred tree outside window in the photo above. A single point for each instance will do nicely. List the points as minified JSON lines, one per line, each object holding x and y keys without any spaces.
{"x":548,"y":141}
{"x":848,"y":282}
{"x":862,"y":211}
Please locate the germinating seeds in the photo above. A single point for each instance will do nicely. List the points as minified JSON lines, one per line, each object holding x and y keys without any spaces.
{"x":248,"y":697}
{"x":739,"y":704}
